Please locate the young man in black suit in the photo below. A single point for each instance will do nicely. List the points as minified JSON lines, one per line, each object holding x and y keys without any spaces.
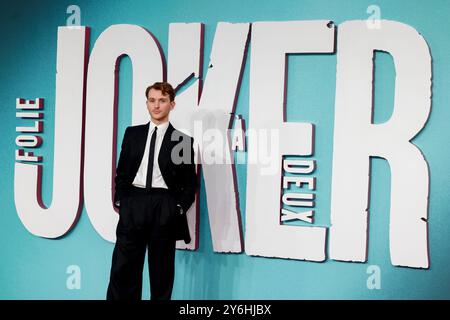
{"x":155,"y":185}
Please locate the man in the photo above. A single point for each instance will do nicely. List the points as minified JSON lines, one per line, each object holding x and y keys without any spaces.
{"x":155,"y":185}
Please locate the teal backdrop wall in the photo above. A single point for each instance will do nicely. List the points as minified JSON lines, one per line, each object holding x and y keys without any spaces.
{"x":36,"y":268}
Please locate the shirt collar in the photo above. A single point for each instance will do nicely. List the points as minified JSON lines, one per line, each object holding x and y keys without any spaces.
{"x":161,"y":127}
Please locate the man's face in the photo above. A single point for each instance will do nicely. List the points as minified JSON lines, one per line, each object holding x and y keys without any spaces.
{"x":159,"y":106}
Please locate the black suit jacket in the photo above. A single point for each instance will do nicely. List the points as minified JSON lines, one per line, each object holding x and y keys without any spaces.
{"x":179,"y":176}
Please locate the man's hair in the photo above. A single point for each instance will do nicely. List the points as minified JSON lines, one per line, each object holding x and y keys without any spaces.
{"x":165,"y":87}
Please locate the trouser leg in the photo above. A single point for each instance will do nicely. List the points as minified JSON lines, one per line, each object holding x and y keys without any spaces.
{"x":161,"y":264}
{"x":127,"y":261}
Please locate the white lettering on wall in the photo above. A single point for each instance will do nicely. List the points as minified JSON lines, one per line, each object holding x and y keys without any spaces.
{"x":57,"y":219}
{"x":207,"y":114}
{"x":356,"y":139}
{"x":271,"y":42}
{"x":199,"y":113}
{"x":185,"y":55}
{"x":101,"y":109}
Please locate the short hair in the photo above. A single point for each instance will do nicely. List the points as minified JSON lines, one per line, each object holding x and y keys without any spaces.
{"x":165,"y":87}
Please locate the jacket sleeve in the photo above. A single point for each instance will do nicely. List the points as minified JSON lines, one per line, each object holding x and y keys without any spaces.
{"x":120,"y":180}
{"x":189,"y":180}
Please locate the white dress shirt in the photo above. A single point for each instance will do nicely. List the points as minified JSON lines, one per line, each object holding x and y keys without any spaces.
{"x":141,"y":175}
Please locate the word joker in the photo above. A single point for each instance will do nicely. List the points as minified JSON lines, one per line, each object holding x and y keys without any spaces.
{"x":89,"y":87}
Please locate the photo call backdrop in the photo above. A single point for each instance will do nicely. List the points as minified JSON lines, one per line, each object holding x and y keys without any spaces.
{"x":321,"y":131}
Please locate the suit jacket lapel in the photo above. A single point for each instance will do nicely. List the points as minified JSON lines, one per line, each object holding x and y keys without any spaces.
{"x":165,"y":151}
{"x":141,"y":140}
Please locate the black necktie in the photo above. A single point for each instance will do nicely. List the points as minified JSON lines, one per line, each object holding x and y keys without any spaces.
{"x":151,"y":156}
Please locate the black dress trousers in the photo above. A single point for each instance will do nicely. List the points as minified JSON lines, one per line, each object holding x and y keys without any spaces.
{"x":147,"y":218}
